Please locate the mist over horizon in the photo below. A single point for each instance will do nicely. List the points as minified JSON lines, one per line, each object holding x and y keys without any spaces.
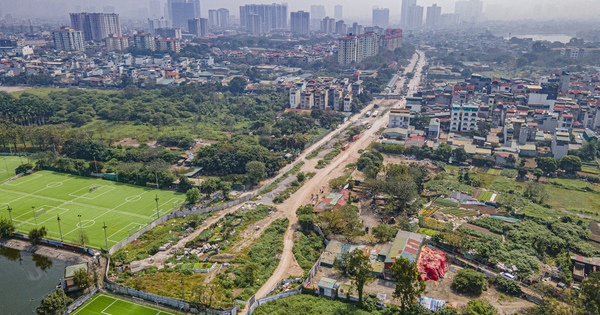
{"x":543,"y":10}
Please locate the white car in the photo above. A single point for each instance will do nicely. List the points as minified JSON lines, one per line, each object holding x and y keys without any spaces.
{"x":508,"y":276}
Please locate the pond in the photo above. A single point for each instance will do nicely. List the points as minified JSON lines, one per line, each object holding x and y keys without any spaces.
{"x":25,"y":279}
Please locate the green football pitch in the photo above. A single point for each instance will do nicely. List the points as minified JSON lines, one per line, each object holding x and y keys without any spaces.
{"x":104,"y":304}
{"x":38,"y":199}
{"x":8,"y":165}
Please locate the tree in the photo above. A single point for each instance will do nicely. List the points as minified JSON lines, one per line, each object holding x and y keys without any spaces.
{"x":37,"y":235}
{"x":522,"y":172}
{"x":547,"y":164}
{"x":53,"y":303}
{"x":210,"y":185}
{"x":192,"y":195}
{"x":305,"y":217}
{"x":511,"y":160}
{"x":359,"y":267}
{"x":479,"y":307}
{"x":538,"y":173}
{"x":447,"y":311}
{"x":468,"y":281}
{"x":237,"y":85}
{"x":590,"y":293}
{"x":536,"y":192}
{"x":255,"y":171}
{"x":205,"y":295}
{"x":510,"y":287}
{"x":6,"y":228}
{"x":184,"y":184}
{"x":81,"y":238}
{"x":82,"y":279}
{"x":409,"y":286}
{"x":384,"y":232}
{"x":338,"y":182}
{"x":443,"y":152}
{"x":570,"y":164}
{"x":460,"y":155}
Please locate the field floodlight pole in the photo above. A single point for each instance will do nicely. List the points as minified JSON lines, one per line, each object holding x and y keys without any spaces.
{"x":105,"y":238}
{"x":34,"y":216}
{"x":96,"y":164}
{"x":157,"y":213}
{"x":9,"y":213}
{"x":81,"y":231}
{"x":59,"y":228}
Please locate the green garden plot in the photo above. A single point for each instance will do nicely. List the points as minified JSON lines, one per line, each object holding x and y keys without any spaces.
{"x":38,"y":199}
{"x":103,"y":304}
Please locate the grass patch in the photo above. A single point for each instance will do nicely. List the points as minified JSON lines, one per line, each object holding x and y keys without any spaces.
{"x":8,"y":165}
{"x":286,"y":193}
{"x":274,"y":184}
{"x":262,"y":258}
{"x":305,"y":304}
{"x":40,"y":197}
{"x":509,"y":172}
{"x":307,"y":250}
{"x":427,"y":231}
{"x":329,"y":156}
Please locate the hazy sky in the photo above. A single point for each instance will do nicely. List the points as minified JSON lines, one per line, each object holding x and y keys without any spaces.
{"x":494,"y":9}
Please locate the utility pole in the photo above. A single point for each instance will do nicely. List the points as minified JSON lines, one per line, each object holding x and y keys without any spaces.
{"x":157,"y":213}
{"x":59,"y":228}
{"x":105,"y":238}
{"x":9,"y":213}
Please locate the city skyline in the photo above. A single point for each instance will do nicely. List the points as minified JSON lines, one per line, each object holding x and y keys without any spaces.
{"x":493,"y":9}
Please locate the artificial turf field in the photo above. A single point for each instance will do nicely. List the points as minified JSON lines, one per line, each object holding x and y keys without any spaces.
{"x":104,"y":304}
{"x":8,"y":165}
{"x":42,"y":196}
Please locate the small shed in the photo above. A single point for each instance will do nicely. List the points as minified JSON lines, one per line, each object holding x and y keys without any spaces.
{"x":68,"y":281}
{"x":328,"y":287}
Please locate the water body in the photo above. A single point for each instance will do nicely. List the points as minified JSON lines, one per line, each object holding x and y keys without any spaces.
{"x":563,"y":38}
{"x":25,"y":279}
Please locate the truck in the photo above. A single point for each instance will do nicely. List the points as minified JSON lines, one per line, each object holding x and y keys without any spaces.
{"x":375,"y":113}
{"x":368,"y":114}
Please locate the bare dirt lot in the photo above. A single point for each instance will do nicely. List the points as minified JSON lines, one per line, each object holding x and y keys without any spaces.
{"x":12,"y":89}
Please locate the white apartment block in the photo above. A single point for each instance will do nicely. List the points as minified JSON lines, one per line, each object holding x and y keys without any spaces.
{"x":348,"y":103}
{"x":463,"y":117}
{"x":399,"y":118}
{"x":295,"y":96}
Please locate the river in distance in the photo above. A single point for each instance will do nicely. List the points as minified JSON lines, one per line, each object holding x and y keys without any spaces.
{"x":25,"y":279}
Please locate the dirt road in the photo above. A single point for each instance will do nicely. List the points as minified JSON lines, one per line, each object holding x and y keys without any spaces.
{"x":321,"y":178}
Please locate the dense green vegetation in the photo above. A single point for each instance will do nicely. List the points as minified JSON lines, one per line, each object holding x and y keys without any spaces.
{"x":253,"y":270}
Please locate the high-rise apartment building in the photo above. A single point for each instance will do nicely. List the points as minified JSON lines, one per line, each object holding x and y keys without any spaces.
{"x":414,"y":17}
{"x":300,"y":22}
{"x":218,"y":18}
{"x":96,"y":26}
{"x":153,"y":24}
{"x":169,"y":32}
{"x":263,"y":18}
{"x":381,"y":17}
{"x":68,"y":39}
{"x":198,"y":27}
{"x":180,"y":11}
{"x":144,"y":41}
{"x":469,"y":11}
{"x":116,"y":43}
{"x":168,"y":44}
{"x":327,"y":25}
{"x":404,"y":11}
{"x":341,"y":28}
{"x":433,"y":16}
{"x":338,"y":12}
{"x":357,"y":48}
{"x":317,"y":14}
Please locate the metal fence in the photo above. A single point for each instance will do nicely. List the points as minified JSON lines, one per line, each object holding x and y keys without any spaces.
{"x":262,"y":301}
{"x":148,"y":297}
{"x":80,"y":300}
{"x":137,"y":234}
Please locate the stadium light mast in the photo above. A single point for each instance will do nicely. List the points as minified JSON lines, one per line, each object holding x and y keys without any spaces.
{"x":34,"y":216}
{"x":59,"y":228}
{"x":105,"y":238}
{"x":157,"y":213}
{"x":9,"y":213}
